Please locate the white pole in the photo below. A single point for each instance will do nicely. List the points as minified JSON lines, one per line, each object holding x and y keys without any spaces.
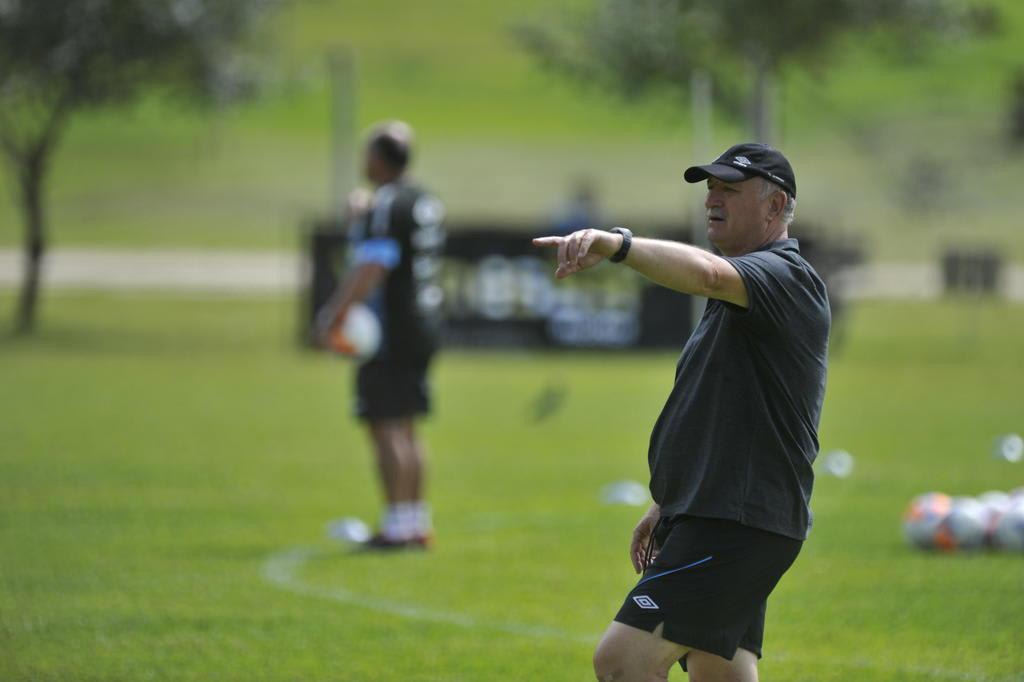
{"x":341,"y":67}
{"x":701,"y":113}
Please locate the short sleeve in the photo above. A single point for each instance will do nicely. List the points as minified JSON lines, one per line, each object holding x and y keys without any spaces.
{"x":376,"y":235}
{"x":779,"y":289}
{"x":381,"y":250}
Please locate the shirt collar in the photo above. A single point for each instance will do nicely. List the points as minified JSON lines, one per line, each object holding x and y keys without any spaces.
{"x":787,"y":244}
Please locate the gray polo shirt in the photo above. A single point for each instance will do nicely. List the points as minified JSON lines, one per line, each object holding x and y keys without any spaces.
{"x":738,"y":434}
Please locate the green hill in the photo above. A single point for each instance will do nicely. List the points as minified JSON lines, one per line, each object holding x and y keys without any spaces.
{"x":912,"y":157}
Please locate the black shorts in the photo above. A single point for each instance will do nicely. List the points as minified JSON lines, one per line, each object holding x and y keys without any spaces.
{"x":387,"y":389}
{"x":709,"y":584}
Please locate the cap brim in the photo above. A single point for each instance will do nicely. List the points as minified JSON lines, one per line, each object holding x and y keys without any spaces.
{"x":715,"y":170}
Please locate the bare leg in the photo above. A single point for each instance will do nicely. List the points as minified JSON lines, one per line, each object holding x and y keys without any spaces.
{"x":629,"y":654}
{"x":389,"y":445}
{"x":705,"y":667}
{"x":417,"y":461}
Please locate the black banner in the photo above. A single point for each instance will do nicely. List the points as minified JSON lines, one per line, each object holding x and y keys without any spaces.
{"x":500,"y":291}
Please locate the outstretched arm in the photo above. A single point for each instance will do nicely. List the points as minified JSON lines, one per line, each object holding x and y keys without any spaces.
{"x":673,"y":265}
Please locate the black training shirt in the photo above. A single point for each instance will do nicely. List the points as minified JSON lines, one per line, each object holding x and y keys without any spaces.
{"x":738,"y":434}
{"x":404,"y":232}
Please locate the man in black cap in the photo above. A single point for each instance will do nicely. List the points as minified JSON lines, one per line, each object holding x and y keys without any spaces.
{"x":730,"y":455}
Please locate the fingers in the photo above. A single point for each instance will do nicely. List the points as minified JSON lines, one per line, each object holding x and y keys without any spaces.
{"x":643,"y":537}
{"x":562,"y":243}
{"x":572,"y":251}
{"x":587,"y":239}
{"x":638,"y":549}
{"x":636,"y":556}
{"x":572,"y":245}
{"x":579,"y":246}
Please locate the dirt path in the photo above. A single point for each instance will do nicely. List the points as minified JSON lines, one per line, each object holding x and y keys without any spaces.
{"x":225,"y":272}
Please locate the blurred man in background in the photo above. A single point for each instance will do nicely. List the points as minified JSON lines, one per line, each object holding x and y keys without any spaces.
{"x":731,"y":454}
{"x":396,"y":239}
{"x":579,"y":210}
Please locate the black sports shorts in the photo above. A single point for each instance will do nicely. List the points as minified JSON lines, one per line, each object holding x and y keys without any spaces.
{"x":709,"y":584}
{"x":389,"y":389}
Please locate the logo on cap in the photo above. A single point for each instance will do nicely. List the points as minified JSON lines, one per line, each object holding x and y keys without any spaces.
{"x":741,"y":161}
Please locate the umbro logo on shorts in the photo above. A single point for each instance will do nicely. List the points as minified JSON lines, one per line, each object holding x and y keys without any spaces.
{"x":645,"y":602}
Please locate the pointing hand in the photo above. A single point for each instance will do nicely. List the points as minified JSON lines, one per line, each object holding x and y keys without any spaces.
{"x":581,"y":250}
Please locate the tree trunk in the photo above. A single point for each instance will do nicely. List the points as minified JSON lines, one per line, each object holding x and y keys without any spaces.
{"x":31,"y":175}
{"x":762,"y":102}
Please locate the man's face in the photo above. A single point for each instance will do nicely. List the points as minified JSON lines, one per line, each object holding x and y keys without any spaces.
{"x":373,"y":167}
{"x":736,"y":215}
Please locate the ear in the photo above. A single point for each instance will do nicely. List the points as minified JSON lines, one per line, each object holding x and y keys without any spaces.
{"x":776,"y":204}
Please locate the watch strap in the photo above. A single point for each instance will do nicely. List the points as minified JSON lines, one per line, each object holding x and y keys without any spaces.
{"x":627,"y":241}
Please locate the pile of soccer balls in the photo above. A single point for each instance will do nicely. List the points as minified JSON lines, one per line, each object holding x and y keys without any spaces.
{"x":992,"y":520}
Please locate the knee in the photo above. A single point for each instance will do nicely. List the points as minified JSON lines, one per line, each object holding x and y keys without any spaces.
{"x":608,"y":663}
{"x":614,"y":663}
{"x":628,"y":654}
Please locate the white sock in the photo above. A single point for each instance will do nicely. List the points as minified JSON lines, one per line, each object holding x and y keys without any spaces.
{"x":407,"y":516}
{"x":406,"y":520}
{"x":392,"y":526}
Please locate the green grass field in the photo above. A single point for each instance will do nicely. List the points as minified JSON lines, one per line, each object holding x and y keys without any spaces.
{"x":502,"y":139}
{"x":169,"y":464}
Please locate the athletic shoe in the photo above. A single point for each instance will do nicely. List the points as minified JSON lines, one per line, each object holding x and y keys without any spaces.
{"x":424,"y":541}
{"x":382,"y":543}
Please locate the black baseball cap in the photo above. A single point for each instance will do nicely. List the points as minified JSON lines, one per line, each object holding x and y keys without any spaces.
{"x":743,"y":161}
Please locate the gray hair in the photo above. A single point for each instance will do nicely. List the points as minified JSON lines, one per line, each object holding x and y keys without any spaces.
{"x":767,"y":189}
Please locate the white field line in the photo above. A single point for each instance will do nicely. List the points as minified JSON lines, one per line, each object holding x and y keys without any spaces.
{"x":285,"y":272}
{"x":283,"y":569}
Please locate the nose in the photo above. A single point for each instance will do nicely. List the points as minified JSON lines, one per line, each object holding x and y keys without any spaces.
{"x":713,"y":199}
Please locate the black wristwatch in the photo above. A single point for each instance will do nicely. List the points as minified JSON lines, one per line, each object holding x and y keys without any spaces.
{"x":627,"y":241}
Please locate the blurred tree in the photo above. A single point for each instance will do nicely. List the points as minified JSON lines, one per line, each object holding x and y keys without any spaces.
{"x":637,"y":45}
{"x":1017,"y":109}
{"x":61,"y":56}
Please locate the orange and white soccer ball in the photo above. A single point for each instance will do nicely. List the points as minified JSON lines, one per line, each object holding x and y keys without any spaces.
{"x":1008,"y":532}
{"x":359,"y":334}
{"x":964,"y":527}
{"x":923,"y":518}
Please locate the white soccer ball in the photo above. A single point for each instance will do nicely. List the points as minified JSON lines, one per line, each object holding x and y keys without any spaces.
{"x":964,"y":527}
{"x":996,"y":504}
{"x":1009,"y":529}
{"x":359,"y":334}
{"x":995,"y":500}
{"x":924,"y":515}
{"x":349,"y":529}
{"x":839,"y":463}
{"x":632,"y":493}
{"x":1009,"y":448}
